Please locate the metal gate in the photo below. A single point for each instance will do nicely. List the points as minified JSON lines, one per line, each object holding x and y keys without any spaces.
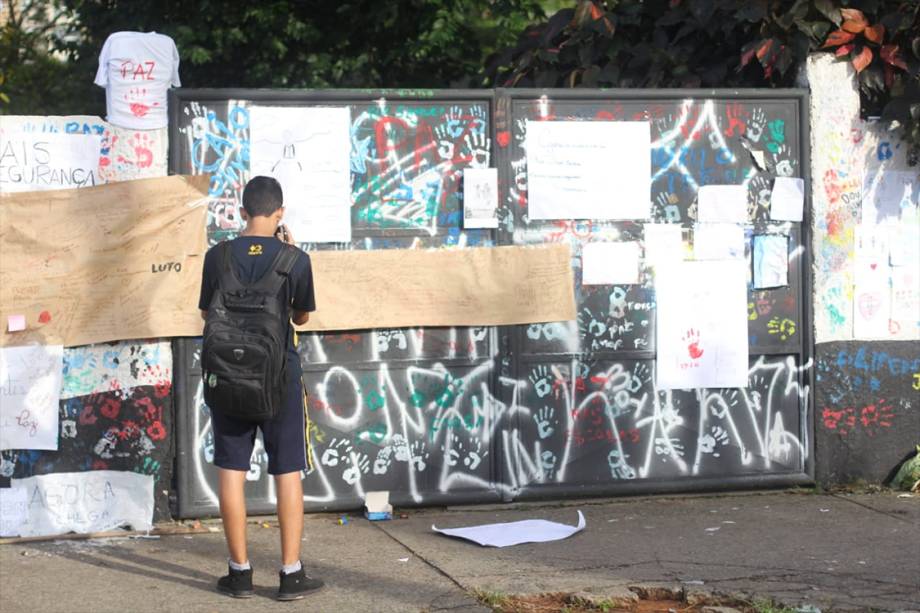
{"x":461,"y":415}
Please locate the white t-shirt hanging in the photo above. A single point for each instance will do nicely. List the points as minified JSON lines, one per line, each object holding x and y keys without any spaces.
{"x":137,"y":69}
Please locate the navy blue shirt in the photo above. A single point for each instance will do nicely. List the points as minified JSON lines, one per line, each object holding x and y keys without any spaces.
{"x":253,"y":256}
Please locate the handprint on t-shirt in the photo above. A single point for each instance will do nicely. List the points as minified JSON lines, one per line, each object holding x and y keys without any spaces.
{"x":137,"y":101}
{"x":692,"y":338}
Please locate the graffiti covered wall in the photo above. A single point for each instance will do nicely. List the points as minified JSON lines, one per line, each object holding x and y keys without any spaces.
{"x":866,"y":224}
{"x":474,"y":414}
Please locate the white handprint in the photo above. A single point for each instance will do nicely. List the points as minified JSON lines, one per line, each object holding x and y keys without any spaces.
{"x":338,"y":449}
{"x":360,"y":464}
{"x":418,"y":455}
{"x":544,"y":420}
{"x":477,"y":143}
{"x":445,"y":143}
{"x":540,"y":379}
{"x":756,"y":125}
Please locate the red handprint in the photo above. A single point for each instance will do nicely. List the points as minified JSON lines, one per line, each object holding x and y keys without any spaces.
{"x":692,"y":338}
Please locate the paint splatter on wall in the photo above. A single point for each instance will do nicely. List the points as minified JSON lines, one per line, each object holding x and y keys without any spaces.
{"x":861,"y":183}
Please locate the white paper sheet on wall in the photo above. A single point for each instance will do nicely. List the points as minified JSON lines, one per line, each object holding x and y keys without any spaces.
{"x":610,"y":263}
{"x":480,"y":197}
{"x":722,"y":203}
{"x":871,"y":283}
{"x":787,"y":202}
{"x":905,"y":301}
{"x":702,"y":334}
{"x":32,"y":161}
{"x":771,"y":260}
{"x":588,"y":169}
{"x":904,"y":242}
{"x":718,"y":241}
{"x":31,"y":378}
{"x":308,"y":150}
{"x":83,"y":502}
{"x":663,"y":243}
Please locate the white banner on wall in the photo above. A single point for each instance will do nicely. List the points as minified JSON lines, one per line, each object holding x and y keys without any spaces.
{"x":83,"y":502}
{"x":588,"y":169}
{"x":31,"y":161}
{"x":702,"y":334}
{"x":308,"y":150}
{"x":31,"y":378}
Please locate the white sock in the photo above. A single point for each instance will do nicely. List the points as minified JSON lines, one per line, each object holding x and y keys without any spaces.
{"x":287,"y":569}
{"x":244,"y":566}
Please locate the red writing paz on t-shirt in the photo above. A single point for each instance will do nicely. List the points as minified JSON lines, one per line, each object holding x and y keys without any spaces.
{"x":139,"y":70}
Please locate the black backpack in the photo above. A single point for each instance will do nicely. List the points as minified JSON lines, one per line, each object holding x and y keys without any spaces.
{"x":244,"y":353}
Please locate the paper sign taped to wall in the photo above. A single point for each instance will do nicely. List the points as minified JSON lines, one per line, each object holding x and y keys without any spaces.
{"x":480,"y":197}
{"x":771,"y":260}
{"x":663,"y":243}
{"x":83,"y":502}
{"x":702,"y":334}
{"x":588,"y":169}
{"x":31,"y":378}
{"x":395,"y":288}
{"x":722,"y":203}
{"x":787,"y":201}
{"x":718,"y":241}
{"x":15,"y":323}
{"x":610,"y":263}
{"x":307,"y":149}
{"x":124,"y":263}
{"x":31,"y":161}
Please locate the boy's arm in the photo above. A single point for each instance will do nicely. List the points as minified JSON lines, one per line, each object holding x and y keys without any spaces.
{"x":204,"y":314}
{"x":300,"y":317}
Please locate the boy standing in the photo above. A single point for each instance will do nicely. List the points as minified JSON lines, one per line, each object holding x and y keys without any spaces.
{"x":252,"y":256}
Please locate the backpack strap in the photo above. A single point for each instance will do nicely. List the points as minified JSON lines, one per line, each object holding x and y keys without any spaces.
{"x":228,"y":280}
{"x":273,"y":280}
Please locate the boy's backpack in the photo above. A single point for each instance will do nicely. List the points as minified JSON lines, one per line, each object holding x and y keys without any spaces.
{"x":244,"y":353}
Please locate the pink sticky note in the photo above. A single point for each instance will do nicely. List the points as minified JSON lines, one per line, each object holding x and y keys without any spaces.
{"x":16,"y":323}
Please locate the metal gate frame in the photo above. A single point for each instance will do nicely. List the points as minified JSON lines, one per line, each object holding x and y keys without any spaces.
{"x":505,"y":342}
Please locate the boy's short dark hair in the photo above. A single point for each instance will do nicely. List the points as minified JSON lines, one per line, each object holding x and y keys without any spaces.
{"x":262,"y":196}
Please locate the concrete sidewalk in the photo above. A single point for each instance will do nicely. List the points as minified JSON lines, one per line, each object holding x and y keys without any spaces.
{"x":854,"y":552}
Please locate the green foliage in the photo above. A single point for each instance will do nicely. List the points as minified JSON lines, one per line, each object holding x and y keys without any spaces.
{"x":32,"y":78}
{"x":273,"y":43}
{"x":723,"y":43}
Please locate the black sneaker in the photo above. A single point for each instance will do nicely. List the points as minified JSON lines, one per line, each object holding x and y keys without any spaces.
{"x":297,"y":585}
{"x":236,"y":583}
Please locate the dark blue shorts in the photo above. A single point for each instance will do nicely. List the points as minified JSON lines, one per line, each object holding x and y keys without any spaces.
{"x":284,"y":436}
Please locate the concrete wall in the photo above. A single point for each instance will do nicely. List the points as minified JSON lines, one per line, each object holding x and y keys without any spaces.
{"x":866,"y":270}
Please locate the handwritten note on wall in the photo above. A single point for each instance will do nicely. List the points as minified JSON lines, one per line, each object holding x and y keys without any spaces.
{"x":308,"y":150}
{"x":83,"y":502}
{"x":31,"y":161}
{"x":588,"y":169}
{"x":30,"y":389}
{"x":702,"y":336}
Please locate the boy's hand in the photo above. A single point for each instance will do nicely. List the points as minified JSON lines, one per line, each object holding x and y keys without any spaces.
{"x":284,"y":235}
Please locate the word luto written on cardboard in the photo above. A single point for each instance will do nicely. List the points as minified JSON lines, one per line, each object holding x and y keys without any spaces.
{"x":104,"y":263}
